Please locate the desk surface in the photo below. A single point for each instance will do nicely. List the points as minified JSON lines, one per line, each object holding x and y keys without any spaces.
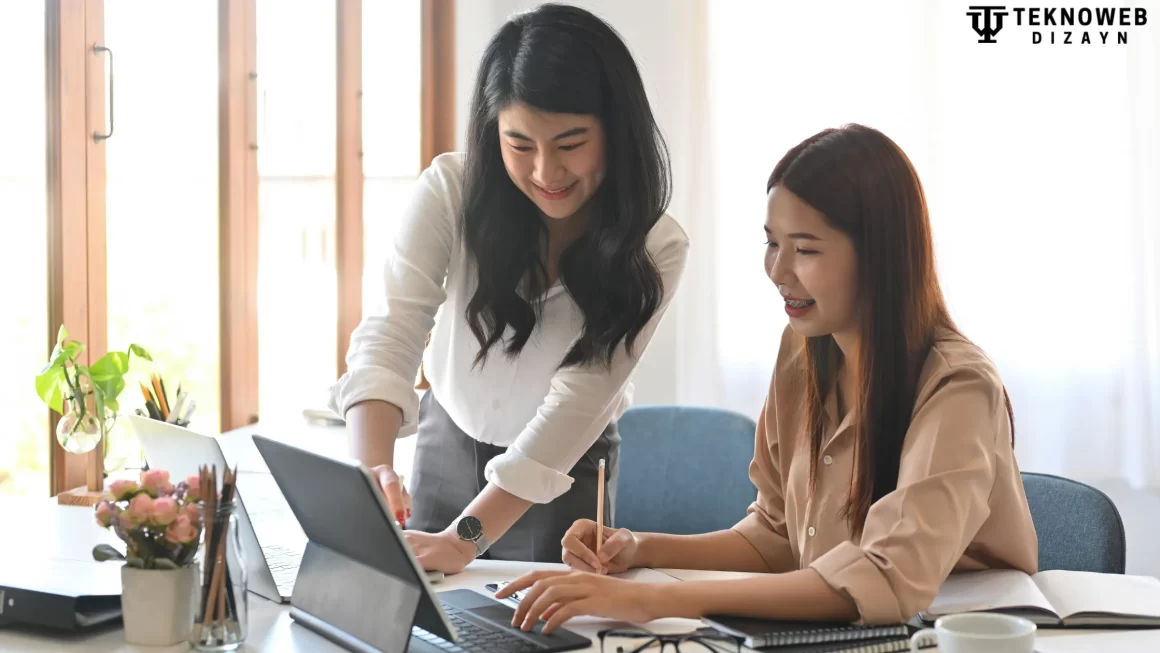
{"x":69,"y":533}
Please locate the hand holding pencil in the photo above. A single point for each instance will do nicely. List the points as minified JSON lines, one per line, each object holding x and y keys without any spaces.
{"x":618,"y":551}
{"x":599,"y":549}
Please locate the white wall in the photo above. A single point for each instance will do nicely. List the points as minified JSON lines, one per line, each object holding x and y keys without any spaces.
{"x":993,"y":155}
{"x":650,"y":27}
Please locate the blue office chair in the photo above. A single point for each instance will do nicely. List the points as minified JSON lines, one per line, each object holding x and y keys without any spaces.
{"x":1079,"y":527}
{"x":683,"y":469}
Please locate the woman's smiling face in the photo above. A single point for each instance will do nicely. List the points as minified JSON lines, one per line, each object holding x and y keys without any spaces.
{"x":813,"y":265}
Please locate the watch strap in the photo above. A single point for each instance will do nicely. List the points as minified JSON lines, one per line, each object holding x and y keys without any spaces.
{"x":482,"y":545}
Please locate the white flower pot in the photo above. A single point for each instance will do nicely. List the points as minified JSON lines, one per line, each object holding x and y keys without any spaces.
{"x":158,"y":605}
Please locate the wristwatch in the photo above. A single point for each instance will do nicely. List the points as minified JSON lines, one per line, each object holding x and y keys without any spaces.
{"x":469,"y":529}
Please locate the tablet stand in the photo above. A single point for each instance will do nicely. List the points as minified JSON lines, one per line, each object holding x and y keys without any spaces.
{"x":357,"y":607}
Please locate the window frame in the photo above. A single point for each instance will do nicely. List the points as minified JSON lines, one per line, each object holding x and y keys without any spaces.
{"x":75,"y":103}
{"x":75,"y":93}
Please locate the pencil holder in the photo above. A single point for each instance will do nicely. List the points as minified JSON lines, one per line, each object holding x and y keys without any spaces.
{"x":222,"y":619}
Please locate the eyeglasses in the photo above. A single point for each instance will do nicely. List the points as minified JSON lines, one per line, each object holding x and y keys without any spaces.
{"x":634,"y":640}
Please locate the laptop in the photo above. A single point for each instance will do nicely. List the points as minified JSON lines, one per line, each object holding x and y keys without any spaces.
{"x":272,"y":540}
{"x":357,"y":546}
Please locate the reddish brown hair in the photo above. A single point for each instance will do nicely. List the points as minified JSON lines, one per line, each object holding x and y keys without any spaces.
{"x":865,"y":186}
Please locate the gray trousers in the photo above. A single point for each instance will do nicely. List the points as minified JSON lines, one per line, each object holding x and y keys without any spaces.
{"x":448,"y":474}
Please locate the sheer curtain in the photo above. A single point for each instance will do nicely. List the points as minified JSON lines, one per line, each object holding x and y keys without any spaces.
{"x":1041,"y":165}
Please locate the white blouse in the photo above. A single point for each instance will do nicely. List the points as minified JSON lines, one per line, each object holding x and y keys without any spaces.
{"x":545,"y":418}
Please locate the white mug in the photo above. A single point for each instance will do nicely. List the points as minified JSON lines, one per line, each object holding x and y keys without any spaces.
{"x":978,"y":632}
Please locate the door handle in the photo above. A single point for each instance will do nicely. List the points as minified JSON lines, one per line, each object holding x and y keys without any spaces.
{"x":97,"y":50}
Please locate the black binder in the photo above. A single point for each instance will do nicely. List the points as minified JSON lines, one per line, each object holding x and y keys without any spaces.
{"x":59,"y":594}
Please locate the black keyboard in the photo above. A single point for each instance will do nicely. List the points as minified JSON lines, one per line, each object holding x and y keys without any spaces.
{"x":476,"y":639}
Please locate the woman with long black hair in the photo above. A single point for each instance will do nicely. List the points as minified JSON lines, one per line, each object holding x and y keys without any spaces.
{"x":539,"y":261}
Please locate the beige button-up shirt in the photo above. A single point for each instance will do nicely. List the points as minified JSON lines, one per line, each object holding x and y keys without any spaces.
{"x":959,"y":504}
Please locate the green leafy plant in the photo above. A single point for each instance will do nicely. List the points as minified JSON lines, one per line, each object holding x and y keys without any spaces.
{"x":84,"y":396}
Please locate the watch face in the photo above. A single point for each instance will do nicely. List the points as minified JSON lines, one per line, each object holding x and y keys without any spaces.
{"x":469,"y":529}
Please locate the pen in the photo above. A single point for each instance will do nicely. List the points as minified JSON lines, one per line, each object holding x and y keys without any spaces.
{"x":188,"y":412}
{"x":599,"y":505}
{"x":175,"y":413}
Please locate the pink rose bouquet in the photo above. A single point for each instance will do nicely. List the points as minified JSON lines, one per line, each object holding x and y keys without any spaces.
{"x":159,"y":522}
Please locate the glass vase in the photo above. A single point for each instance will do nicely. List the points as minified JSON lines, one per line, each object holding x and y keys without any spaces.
{"x":222,"y":620}
{"x":117,"y":449}
{"x":79,"y":430}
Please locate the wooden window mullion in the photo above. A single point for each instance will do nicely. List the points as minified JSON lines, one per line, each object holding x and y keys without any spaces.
{"x":349,"y":179}
{"x":437,"y":41}
{"x":75,"y":103}
{"x":238,"y":196}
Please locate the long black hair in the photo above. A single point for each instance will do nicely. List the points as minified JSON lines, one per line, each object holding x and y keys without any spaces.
{"x":562,"y":59}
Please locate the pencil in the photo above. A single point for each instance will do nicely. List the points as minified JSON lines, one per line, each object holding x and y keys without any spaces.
{"x":599,"y":505}
{"x":161,"y":405}
{"x":165,"y":397}
{"x":149,"y":405}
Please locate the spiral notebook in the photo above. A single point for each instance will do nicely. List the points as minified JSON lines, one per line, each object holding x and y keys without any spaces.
{"x":765,"y":633}
{"x":882,"y":645}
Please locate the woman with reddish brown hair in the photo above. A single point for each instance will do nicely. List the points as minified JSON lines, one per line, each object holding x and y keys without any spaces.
{"x":884,"y":453}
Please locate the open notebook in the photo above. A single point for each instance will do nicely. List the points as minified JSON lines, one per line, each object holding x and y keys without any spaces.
{"x":1052,"y":598}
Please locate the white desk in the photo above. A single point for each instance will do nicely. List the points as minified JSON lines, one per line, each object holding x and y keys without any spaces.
{"x":70,"y":533}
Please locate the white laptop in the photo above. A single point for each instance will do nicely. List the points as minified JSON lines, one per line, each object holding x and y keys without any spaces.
{"x":270,"y":534}
{"x":272,"y":540}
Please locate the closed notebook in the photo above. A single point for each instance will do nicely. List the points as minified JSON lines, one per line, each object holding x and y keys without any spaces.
{"x":1052,"y":598}
{"x":58,"y":593}
{"x":765,"y":633}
